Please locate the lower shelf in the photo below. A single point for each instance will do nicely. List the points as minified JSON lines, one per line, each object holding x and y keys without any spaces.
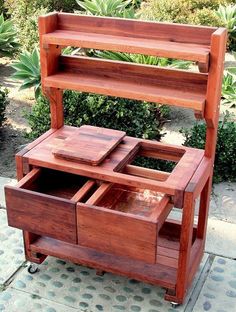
{"x":155,"y":274}
{"x":163,"y":273}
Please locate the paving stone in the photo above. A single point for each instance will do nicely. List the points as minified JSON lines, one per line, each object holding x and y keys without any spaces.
{"x":11,"y":248}
{"x":80,"y":287}
{"x":221,"y":238}
{"x":3,"y":182}
{"x":219,"y":291}
{"x":12,"y":300}
{"x":224,"y":195}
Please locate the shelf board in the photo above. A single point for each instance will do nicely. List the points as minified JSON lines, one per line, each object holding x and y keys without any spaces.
{"x":133,"y":81}
{"x":160,"y":274}
{"x":103,"y":41}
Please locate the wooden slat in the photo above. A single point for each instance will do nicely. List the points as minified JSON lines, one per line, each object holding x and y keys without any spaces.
{"x":191,"y":52}
{"x":134,"y":81}
{"x":83,"y":190}
{"x":101,"y":191}
{"x":146,"y":173}
{"x":140,"y":29}
{"x":155,"y":274}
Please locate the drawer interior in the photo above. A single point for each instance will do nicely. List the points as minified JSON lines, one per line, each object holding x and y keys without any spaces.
{"x":59,"y":184}
{"x":139,"y":202}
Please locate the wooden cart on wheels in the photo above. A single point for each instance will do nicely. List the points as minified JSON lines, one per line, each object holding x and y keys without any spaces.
{"x":80,"y":196}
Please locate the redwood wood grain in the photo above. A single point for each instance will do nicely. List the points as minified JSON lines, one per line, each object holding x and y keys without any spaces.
{"x":113,"y":232}
{"x":41,"y":214}
{"x":146,"y":172}
{"x":89,"y":145}
{"x":139,"y":29}
{"x":122,"y":226}
{"x":154,"y":274}
{"x":135,"y":81}
{"x":186,"y":51}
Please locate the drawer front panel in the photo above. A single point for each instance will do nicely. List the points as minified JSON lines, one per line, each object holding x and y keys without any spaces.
{"x":41,"y":214}
{"x":115,"y":233}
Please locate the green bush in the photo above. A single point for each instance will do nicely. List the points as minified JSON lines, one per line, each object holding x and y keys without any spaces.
{"x":225,"y":160}
{"x":25,"y":15}
{"x":227,"y":14}
{"x":182,"y":11}
{"x":3,"y":103}
{"x":137,"y":118}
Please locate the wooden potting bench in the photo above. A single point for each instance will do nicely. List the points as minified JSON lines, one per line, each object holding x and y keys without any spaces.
{"x":80,"y":196}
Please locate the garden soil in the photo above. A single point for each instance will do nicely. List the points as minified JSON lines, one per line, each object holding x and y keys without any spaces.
{"x":12,"y":134}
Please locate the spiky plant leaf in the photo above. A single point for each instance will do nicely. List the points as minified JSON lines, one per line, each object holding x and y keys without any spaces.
{"x":8,"y":41}
{"x":27,"y":69}
{"x":118,"y":8}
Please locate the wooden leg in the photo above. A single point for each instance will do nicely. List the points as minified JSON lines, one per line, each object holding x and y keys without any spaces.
{"x":203,"y":210}
{"x":29,"y":238}
{"x":100,"y":272}
{"x":185,"y":249}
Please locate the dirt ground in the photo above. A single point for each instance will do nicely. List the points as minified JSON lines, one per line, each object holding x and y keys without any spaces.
{"x":12,"y":134}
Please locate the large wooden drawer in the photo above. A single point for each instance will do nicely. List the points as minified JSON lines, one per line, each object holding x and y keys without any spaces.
{"x":123,"y":221}
{"x":44,"y":202}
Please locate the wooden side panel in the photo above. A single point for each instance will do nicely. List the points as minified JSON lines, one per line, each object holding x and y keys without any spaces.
{"x":41,"y":214}
{"x":116,"y":233}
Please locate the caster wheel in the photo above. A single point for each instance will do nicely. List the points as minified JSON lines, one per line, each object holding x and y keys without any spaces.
{"x":33,"y":268}
{"x":175,"y":305}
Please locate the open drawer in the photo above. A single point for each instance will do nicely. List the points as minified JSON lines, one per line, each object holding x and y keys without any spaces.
{"x":123,"y":221}
{"x":44,"y":202}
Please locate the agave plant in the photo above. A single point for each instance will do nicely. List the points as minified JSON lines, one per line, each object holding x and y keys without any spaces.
{"x":229,"y":85}
{"x":28,"y":71}
{"x":228,"y":17}
{"x":142,"y":59}
{"x":118,"y":8}
{"x":8,"y":41}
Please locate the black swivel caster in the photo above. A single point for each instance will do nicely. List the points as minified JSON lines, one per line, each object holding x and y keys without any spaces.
{"x":33,"y":268}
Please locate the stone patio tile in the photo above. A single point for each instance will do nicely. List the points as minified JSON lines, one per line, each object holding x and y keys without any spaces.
{"x":80,"y":287}
{"x":224,"y":195}
{"x":219,"y":291}
{"x":12,"y":300}
{"x":11,"y":248}
{"x":3,"y":182}
{"x":221,"y":238}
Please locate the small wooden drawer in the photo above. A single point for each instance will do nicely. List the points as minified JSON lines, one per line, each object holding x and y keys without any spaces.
{"x":123,"y":221}
{"x":44,"y":202}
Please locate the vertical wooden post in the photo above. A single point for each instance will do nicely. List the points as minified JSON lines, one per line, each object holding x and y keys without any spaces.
{"x":217,"y":54}
{"x":185,"y":245}
{"x":49,"y":56}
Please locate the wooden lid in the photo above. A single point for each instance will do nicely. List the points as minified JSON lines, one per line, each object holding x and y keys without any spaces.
{"x":89,"y":145}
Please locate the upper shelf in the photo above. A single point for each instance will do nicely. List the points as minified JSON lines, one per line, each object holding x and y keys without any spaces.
{"x":161,"y":48}
{"x":134,"y":81}
{"x":133,"y":36}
